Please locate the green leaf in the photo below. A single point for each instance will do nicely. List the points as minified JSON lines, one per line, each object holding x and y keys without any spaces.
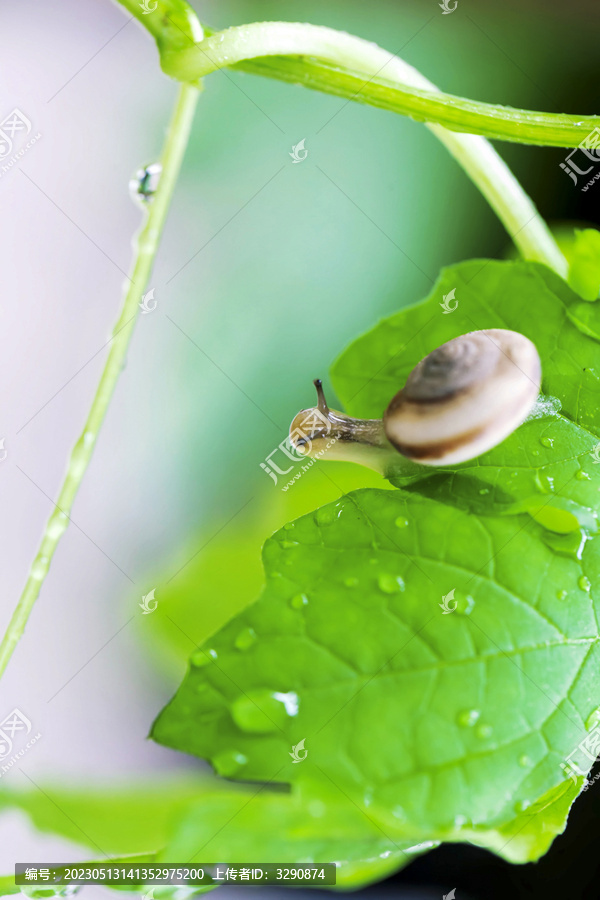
{"x":220,"y":571}
{"x":127,"y":820}
{"x":584,"y":258}
{"x":442,"y":726}
{"x":548,"y":466}
{"x":523,"y":296}
{"x":431,"y":726}
{"x":251,"y":825}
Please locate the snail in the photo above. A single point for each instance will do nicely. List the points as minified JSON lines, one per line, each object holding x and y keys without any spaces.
{"x":461,"y":400}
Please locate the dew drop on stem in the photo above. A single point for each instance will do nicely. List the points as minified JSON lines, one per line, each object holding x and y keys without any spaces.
{"x":144,"y":184}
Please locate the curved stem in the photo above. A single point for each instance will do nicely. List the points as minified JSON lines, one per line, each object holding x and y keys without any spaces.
{"x":146,"y":247}
{"x":477,"y":157}
{"x":490,"y":120}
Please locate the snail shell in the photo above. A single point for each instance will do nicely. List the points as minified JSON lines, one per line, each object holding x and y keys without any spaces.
{"x":465,"y":397}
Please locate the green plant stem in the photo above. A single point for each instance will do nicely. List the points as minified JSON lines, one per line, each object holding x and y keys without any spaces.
{"x":146,"y":247}
{"x":477,"y":157}
{"x":490,"y":120}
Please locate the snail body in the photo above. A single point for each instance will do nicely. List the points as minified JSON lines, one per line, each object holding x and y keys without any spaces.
{"x":460,"y":401}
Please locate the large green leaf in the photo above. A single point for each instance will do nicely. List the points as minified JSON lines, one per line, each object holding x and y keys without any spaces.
{"x":253,"y":825}
{"x":431,"y":726}
{"x":437,"y":722}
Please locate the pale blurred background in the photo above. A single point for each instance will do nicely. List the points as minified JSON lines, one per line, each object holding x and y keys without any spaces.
{"x":290,"y":269}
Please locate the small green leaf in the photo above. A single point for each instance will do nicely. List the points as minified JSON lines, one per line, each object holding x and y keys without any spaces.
{"x":127,"y":820}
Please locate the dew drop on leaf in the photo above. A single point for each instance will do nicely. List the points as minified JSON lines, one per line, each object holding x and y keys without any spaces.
{"x":351,"y":581}
{"x":299,"y":601}
{"x":522,"y":805}
{"x":401,"y":522}
{"x":245,"y":638}
{"x":583,"y":476}
{"x":483,"y":731}
{"x":584,"y":583}
{"x":562,"y":595}
{"x":203,"y":657}
{"x":468,"y":717}
{"x":547,"y":442}
{"x":390,"y":584}
{"x":524,"y":761}
{"x":263,"y":711}
{"x":317,"y":809}
{"x":464,"y":603}
{"x":325,"y":516}
{"x":229,"y":762}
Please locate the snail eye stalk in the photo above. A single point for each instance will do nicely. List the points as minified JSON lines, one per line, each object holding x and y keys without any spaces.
{"x":321,"y":401}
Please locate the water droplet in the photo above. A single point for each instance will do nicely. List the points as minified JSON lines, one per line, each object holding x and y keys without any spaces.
{"x":390,"y":584}
{"x":263,"y":711}
{"x":245,"y":638}
{"x":351,"y":581}
{"x":468,"y":717}
{"x":522,"y":805}
{"x":592,"y":720}
{"x":324,"y":516}
{"x":203,"y":657}
{"x":562,"y":595}
{"x":78,"y":461}
{"x":57,"y":525}
{"x":583,"y":476}
{"x":547,"y":442}
{"x":464,"y":603}
{"x":39,"y":568}
{"x":524,"y":761}
{"x":317,"y":809}
{"x":544,"y":482}
{"x":483,"y":731}
{"x":144,"y":184}
{"x":401,"y":522}
{"x":298,"y":601}
{"x":545,"y":406}
{"x":584,"y":583}
{"x":229,"y":762}
{"x":567,"y":544}
{"x":288,"y":526}
{"x":483,"y":491}
{"x":289,"y":700}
